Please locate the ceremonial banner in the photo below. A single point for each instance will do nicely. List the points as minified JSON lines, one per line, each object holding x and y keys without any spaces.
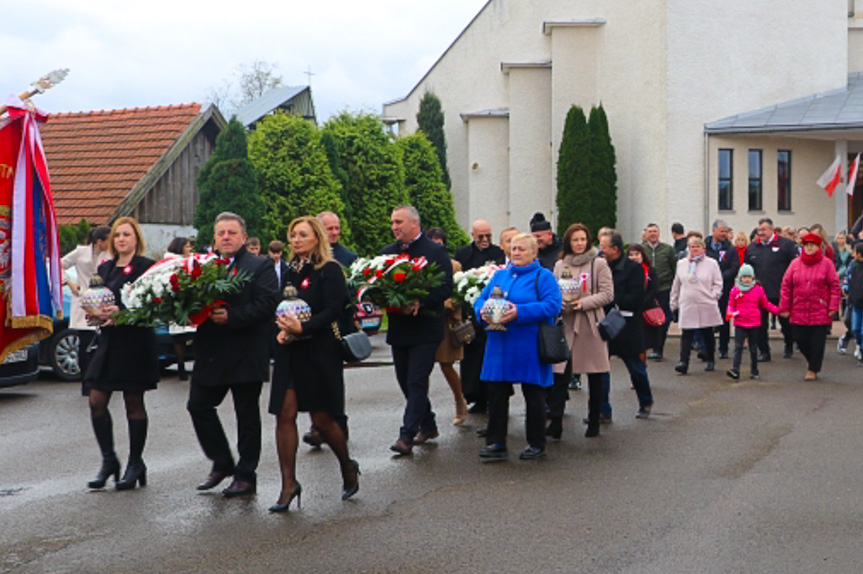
{"x":30,"y":273}
{"x":852,"y":175}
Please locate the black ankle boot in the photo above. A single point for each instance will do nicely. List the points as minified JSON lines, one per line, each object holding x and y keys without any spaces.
{"x":104,"y":431}
{"x":592,"y":429}
{"x":136,"y":472}
{"x":555,"y":428}
{"x":109,"y":466}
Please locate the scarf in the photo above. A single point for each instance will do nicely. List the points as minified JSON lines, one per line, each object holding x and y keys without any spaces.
{"x":772,"y":241}
{"x":297,"y":263}
{"x":693,"y":261}
{"x":744,"y":287}
{"x":574,"y":260}
{"x":813,"y":259}
{"x":646,"y":268}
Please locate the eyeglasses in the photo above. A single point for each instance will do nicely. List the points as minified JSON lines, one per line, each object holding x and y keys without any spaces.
{"x":483,"y":236}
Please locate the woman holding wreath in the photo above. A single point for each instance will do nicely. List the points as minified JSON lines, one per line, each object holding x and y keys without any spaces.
{"x":125,"y":360}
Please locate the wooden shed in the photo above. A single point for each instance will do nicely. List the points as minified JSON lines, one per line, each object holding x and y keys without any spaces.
{"x":142,"y":162}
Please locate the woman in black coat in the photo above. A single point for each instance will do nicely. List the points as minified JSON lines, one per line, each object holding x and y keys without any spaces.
{"x":125,"y":360}
{"x":309,"y":373}
{"x":652,"y":335}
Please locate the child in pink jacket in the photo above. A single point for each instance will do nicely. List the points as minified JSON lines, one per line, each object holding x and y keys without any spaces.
{"x":745,"y":303}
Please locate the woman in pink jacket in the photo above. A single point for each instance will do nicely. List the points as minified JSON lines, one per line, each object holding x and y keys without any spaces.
{"x":745,"y":302}
{"x":811,"y":297}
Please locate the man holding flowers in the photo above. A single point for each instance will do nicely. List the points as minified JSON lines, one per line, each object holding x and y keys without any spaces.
{"x":416,"y":330}
{"x":231,"y":354}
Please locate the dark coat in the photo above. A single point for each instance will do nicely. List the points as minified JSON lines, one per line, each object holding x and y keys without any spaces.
{"x":770,"y":263}
{"x":343,"y":255}
{"x":652,"y":335}
{"x":282,"y":275}
{"x":312,"y":365}
{"x":471,"y":256}
{"x":426,"y":326}
{"x":855,"y":284}
{"x":726,"y":256}
{"x":628,"y":279}
{"x":238,"y":351}
{"x":126,"y":358}
{"x":549,"y":254}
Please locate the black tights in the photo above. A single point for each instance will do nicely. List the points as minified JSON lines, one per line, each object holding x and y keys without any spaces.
{"x":135,"y":409}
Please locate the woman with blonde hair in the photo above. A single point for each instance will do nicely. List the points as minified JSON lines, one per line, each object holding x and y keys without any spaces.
{"x":741,"y":242}
{"x":309,"y":373}
{"x":125,"y":360}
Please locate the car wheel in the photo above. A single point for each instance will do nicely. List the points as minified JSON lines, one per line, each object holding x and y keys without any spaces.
{"x":63,"y":355}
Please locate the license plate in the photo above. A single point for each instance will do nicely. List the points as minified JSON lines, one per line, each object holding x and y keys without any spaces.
{"x":370,"y":323}
{"x":16,"y":357}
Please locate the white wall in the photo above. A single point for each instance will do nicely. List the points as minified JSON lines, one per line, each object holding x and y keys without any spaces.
{"x":488,"y":173}
{"x":158,"y":236}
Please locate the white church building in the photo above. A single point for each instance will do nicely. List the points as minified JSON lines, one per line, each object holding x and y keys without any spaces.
{"x":726,"y":109}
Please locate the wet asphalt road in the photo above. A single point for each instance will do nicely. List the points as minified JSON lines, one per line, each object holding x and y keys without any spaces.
{"x":762,"y":476}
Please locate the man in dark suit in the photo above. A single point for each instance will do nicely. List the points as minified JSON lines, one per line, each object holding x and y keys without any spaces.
{"x":628,"y":278}
{"x":770,"y":254}
{"x":415,"y":333}
{"x":231,"y":354}
{"x":480,"y":252}
{"x":333,"y":227}
{"x":720,"y":249}
{"x":276,"y":251}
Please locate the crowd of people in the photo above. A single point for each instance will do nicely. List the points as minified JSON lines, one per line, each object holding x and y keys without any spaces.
{"x":620,"y":301}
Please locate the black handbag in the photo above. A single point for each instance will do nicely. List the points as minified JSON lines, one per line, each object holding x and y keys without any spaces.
{"x":612,"y":325}
{"x":463,"y":333}
{"x":552,"y":338}
{"x":356,"y":347}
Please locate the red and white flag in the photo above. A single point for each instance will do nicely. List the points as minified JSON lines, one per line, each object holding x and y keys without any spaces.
{"x":852,"y":175}
{"x":832,"y":177}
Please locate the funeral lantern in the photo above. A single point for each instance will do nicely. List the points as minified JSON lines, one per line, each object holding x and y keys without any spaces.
{"x":293,"y":306}
{"x":96,"y":298}
{"x":569,"y":287}
{"x":493,"y":310}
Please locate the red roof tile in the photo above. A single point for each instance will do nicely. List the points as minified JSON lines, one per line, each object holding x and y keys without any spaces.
{"x":96,"y":158}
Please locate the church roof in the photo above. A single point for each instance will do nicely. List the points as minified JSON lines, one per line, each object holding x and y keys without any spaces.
{"x":834,"y":110}
{"x":267,"y":103}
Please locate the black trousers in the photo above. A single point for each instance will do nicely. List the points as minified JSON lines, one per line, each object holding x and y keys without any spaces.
{"x":664,"y":300}
{"x":811,"y":339}
{"x":498,"y":413}
{"x":414,"y":364}
{"x":557,"y":395}
{"x":741,"y":335}
{"x":202,"y":407}
{"x":725,"y":328}
{"x":764,"y":336}
{"x":686,"y":338}
{"x":473,"y":388}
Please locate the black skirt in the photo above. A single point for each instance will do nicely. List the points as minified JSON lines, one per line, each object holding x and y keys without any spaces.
{"x":125,"y":359}
{"x":313,"y":369}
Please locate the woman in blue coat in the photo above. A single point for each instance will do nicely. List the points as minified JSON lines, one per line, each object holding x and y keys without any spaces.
{"x":512,"y":356}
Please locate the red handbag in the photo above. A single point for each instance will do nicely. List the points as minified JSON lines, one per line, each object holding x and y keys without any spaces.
{"x":653,"y":317}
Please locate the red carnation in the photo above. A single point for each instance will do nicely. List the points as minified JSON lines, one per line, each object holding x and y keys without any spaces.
{"x":196,"y":271}
{"x":379,"y":272}
{"x":157,"y":300}
{"x":175,"y":282}
{"x":367,"y":272}
{"x":399,"y":276}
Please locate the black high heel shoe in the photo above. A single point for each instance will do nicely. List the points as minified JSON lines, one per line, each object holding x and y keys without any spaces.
{"x":349,"y":492}
{"x":136,"y":472}
{"x":109,"y":467}
{"x":283,"y":506}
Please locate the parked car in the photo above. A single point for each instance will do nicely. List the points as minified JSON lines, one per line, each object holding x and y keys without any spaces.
{"x":20,"y":367}
{"x":369,"y":317}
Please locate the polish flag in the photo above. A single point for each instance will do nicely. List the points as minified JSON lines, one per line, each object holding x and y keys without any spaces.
{"x":832,"y":177}
{"x":852,"y":175}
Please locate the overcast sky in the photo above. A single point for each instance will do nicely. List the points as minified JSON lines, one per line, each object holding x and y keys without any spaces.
{"x":159,"y":52}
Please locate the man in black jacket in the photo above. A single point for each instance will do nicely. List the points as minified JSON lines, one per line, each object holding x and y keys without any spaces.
{"x":480,"y":252}
{"x":333,"y":227}
{"x":720,"y":249}
{"x":628,"y":278}
{"x":231,"y":354}
{"x":415,"y":333}
{"x":770,"y":255}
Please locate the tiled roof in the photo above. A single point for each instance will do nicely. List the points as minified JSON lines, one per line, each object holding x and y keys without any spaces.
{"x":833,"y":110}
{"x":96,"y":158}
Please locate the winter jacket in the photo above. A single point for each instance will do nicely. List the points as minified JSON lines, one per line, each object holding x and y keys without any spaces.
{"x":548,"y":255}
{"x":513,"y":355}
{"x":745,"y":308}
{"x":697,"y":300}
{"x":664,"y":260}
{"x":726,"y":256}
{"x":854,"y":276}
{"x":810,"y":292}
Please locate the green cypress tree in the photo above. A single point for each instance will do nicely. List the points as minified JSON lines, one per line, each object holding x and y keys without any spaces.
{"x":603,"y":172}
{"x":294,"y":173}
{"x":573,"y":173}
{"x":425,"y":189}
{"x":374,"y":174}
{"x":228,"y":182}
{"x":430,"y":119}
